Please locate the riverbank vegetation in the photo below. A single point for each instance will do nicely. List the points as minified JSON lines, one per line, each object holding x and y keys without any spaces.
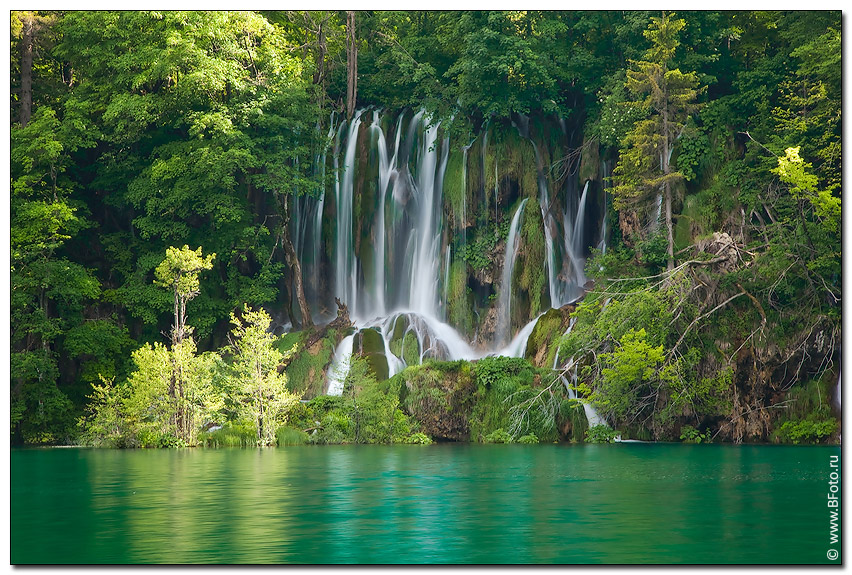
{"x":166,"y":168}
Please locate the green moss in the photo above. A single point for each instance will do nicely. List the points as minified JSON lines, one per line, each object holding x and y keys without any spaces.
{"x":460,"y":312}
{"x":440,"y":397}
{"x":288,"y":340}
{"x":532,"y":273}
{"x":410,"y":349}
{"x":474,"y":167}
{"x":520,"y":163}
{"x":404,"y":344}
{"x":453,"y":186}
{"x":306,"y":371}
{"x":590,"y":161}
{"x":547,"y":330}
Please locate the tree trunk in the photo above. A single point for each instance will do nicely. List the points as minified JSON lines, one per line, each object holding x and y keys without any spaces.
{"x":296,"y":270}
{"x":27,"y":41}
{"x":322,"y":49}
{"x":667,"y":188}
{"x":351,"y":64}
{"x":669,"y":231}
{"x":295,"y":267}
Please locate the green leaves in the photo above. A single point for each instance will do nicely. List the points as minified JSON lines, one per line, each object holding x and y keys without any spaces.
{"x":261,"y":389}
{"x":180,"y":269}
{"x":793,"y":170}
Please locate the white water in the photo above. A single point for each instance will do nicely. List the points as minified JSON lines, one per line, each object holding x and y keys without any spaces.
{"x":504,"y":309}
{"x":345,"y":262}
{"x":339,"y":368}
{"x":518,"y":345}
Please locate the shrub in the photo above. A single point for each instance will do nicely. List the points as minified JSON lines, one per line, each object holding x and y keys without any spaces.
{"x":600,"y":434}
{"x":418,"y":439}
{"x":528,"y":439}
{"x":498,"y":436}
{"x":230,"y":435}
{"x":811,"y":430}
{"x":689,"y":434}
{"x":171,"y":441}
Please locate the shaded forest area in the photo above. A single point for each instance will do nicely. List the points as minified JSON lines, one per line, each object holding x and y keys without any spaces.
{"x":133,"y":133}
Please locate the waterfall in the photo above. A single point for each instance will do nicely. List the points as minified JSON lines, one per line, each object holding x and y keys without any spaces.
{"x":463,"y":227}
{"x":504,"y":309}
{"x":518,"y":346}
{"x":570,"y":367}
{"x":447,"y":261}
{"x":424,"y":277}
{"x":339,"y":368}
{"x":575,"y":246}
{"x":345,"y":262}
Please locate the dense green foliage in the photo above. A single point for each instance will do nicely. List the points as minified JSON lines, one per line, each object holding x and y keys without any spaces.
{"x":134,"y":133}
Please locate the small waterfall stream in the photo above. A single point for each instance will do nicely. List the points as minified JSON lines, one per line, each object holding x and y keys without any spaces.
{"x":570,"y":367}
{"x":504,"y":308}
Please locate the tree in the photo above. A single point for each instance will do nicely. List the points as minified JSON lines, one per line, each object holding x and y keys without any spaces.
{"x":263,"y":390}
{"x":48,"y":290}
{"x":179,"y":272}
{"x":27,"y":41}
{"x":644,"y":168}
{"x":351,"y":64}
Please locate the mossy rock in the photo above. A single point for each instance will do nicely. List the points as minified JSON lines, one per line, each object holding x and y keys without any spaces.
{"x":547,"y":331}
{"x":306,"y":370}
{"x":590,"y":161}
{"x":440,"y":397}
{"x":368,"y":343}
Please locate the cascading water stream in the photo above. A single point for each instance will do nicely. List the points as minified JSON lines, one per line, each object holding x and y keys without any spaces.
{"x":574,"y":245}
{"x":518,"y":345}
{"x":425,"y":277}
{"x":339,"y":368}
{"x":504,"y":309}
{"x":346,"y":263}
{"x":570,"y":367}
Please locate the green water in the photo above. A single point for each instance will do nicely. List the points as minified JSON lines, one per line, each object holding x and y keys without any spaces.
{"x":623,"y":503}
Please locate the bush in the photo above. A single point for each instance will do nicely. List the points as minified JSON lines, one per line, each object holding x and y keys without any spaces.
{"x":230,"y":435}
{"x":290,"y":436}
{"x":811,"y":430}
{"x":418,"y":439}
{"x":600,"y":434}
{"x":170,"y":441}
{"x":498,"y":436}
{"x":528,"y":439}
{"x":336,"y":426}
{"x":689,"y":434}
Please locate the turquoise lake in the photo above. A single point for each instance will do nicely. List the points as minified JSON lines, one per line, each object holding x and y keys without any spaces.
{"x":444,"y":503}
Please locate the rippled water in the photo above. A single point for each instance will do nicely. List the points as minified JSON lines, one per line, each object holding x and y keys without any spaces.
{"x":624,"y":503}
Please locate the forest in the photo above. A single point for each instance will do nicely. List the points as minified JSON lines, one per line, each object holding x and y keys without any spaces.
{"x":278,"y":227}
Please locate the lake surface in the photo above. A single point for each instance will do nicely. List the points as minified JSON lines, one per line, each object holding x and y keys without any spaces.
{"x":622,"y":503}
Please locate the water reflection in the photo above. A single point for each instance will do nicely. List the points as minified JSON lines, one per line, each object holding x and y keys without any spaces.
{"x":410,"y":504}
